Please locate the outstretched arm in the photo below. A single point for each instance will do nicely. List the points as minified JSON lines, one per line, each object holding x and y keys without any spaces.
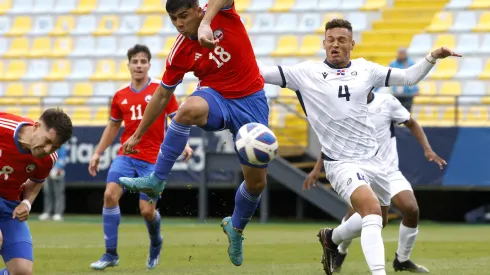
{"x":271,"y":74}
{"x":417,"y":72}
{"x":419,"y":134}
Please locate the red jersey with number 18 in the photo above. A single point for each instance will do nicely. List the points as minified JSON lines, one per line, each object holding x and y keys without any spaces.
{"x":17,"y":164}
{"x":129,"y":105}
{"x":230,"y":68}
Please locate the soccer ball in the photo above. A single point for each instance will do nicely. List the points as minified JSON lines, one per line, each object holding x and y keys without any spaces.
{"x":256,"y":143}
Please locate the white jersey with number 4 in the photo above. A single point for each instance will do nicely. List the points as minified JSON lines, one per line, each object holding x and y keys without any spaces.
{"x":384,"y":111}
{"x":335,"y":102}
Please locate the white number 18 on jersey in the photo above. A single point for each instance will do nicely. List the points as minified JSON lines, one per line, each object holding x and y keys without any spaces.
{"x":220,"y":56}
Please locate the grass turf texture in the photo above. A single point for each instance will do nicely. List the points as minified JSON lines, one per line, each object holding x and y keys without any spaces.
{"x":275,"y":248}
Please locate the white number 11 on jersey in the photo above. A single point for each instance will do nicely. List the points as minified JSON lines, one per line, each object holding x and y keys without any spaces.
{"x":136,"y":113}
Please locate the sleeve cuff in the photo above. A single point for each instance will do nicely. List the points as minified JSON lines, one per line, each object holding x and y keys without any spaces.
{"x":37,"y":181}
{"x":116,"y":120}
{"x":166,"y":86}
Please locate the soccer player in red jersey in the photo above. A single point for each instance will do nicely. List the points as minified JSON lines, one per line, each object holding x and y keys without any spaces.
{"x":129,"y":105}
{"x":27,"y":154}
{"x":213,"y":43}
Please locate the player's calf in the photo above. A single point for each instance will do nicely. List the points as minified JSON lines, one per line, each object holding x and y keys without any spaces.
{"x":19,"y":266}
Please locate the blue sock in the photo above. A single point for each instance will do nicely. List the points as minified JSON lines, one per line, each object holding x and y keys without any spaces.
{"x":112,"y":218}
{"x":154,"y":229}
{"x":245,"y":206}
{"x":4,"y":271}
{"x":172,"y":147}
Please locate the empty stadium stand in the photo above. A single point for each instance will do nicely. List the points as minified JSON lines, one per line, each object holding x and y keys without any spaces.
{"x":71,"y":53}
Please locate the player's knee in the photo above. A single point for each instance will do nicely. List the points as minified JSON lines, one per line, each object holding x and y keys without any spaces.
{"x":193,"y":112}
{"x":111,"y":197}
{"x":21,"y":270}
{"x":147,"y":212}
{"x":411,"y":212}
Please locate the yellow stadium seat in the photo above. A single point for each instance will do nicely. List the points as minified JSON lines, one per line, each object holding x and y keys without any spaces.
{"x":480,"y":4}
{"x":29,"y":101}
{"x":102,"y":113}
{"x":287,"y":46}
{"x":77,"y":101}
{"x":246,"y":20}
{"x":15,"y":89}
{"x":451,"y":115}
{"x":168,"y":46}
{"x":123,"y":72}
{"x":19,"y":47}
{"x":486,"y":72}
{"x":106,"y":70}
{"x":282,"y":6}
{"x":107,"y":25}
{"x":446,"y":69}
{"x":41,"y":47}
{"x":441,"y":22}
{"x":423,"y":100}
{"x":15,"y":70}
{"x":427,"y":88}
{"x":477,"y":113}
{"x":14,"y":110}
{"x":484,"y":23}
{"x":373,"y":5}
{"x":191,"y":87}
{"x":287,"y":96}
{"x":37,"y":89}
{"x":5,"y":6}
{"x":151,"y":6}
{"x":451,"y":88}
{"x":81,"y":115}
{"x":21,"y":25}
{"x":328,"y":17}
{"x":445,"y":40}
{"x":310,"y":45}
{"x":63,"y":46}
{"x":64,"y":25}
{"x":60,"y":69}
{"x":85,"y":6}
{"x":428,"y":113}
{"x":33,"y":112}
{"x":83,"y":89}
{"x":152,"y":25}
{"x":242,"y":5}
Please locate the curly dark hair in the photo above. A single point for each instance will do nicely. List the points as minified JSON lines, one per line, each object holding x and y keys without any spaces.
{"x":338,"y":23}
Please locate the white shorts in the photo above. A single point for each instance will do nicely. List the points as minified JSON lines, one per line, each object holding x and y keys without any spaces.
{"x":398,"y":183}
{"x":347,"y":176}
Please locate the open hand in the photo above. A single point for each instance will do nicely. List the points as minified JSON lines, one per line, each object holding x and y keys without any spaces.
{"x":432,"y":156}
{"x":444,"y":52}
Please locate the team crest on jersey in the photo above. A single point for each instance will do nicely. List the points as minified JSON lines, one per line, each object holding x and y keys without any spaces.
{"x":354,"y":73}
{"x":31,"y":167}
{"x":148,"y":98}
{"x":219,"y":34}
{"x":341,"y":72}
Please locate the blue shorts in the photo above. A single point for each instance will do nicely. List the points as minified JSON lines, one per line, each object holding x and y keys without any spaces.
{"x":233,"y":113}
{"x":17,"y":239}
{"x":125,"y":166}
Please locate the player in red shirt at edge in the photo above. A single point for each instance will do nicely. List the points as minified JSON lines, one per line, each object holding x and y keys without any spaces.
{"x":129,"y":105}
{"x":27,"y":155}
{"x":213,"y":43}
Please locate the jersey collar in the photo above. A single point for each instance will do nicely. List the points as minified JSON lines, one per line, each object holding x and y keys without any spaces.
{"x":144,"y":87}
{"x":16,"y":138}
{"x":333,"y":66}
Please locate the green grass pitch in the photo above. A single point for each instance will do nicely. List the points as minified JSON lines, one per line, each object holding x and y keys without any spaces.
{"x":275,"y":248}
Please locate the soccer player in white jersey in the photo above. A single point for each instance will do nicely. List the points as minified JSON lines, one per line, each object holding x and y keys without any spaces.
{"x":384,"y":111}
{"x":334,"y":95}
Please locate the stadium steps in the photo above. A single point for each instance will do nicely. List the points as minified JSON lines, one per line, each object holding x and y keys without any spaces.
{"x":326,"y":199}
{"x":397,"y":26}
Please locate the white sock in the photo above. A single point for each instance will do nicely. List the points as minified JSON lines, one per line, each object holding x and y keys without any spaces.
{"x":406,"y":242}
{"x":372,"y":244}
{"x":344,"y":246}
{"x":348,"y":230}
